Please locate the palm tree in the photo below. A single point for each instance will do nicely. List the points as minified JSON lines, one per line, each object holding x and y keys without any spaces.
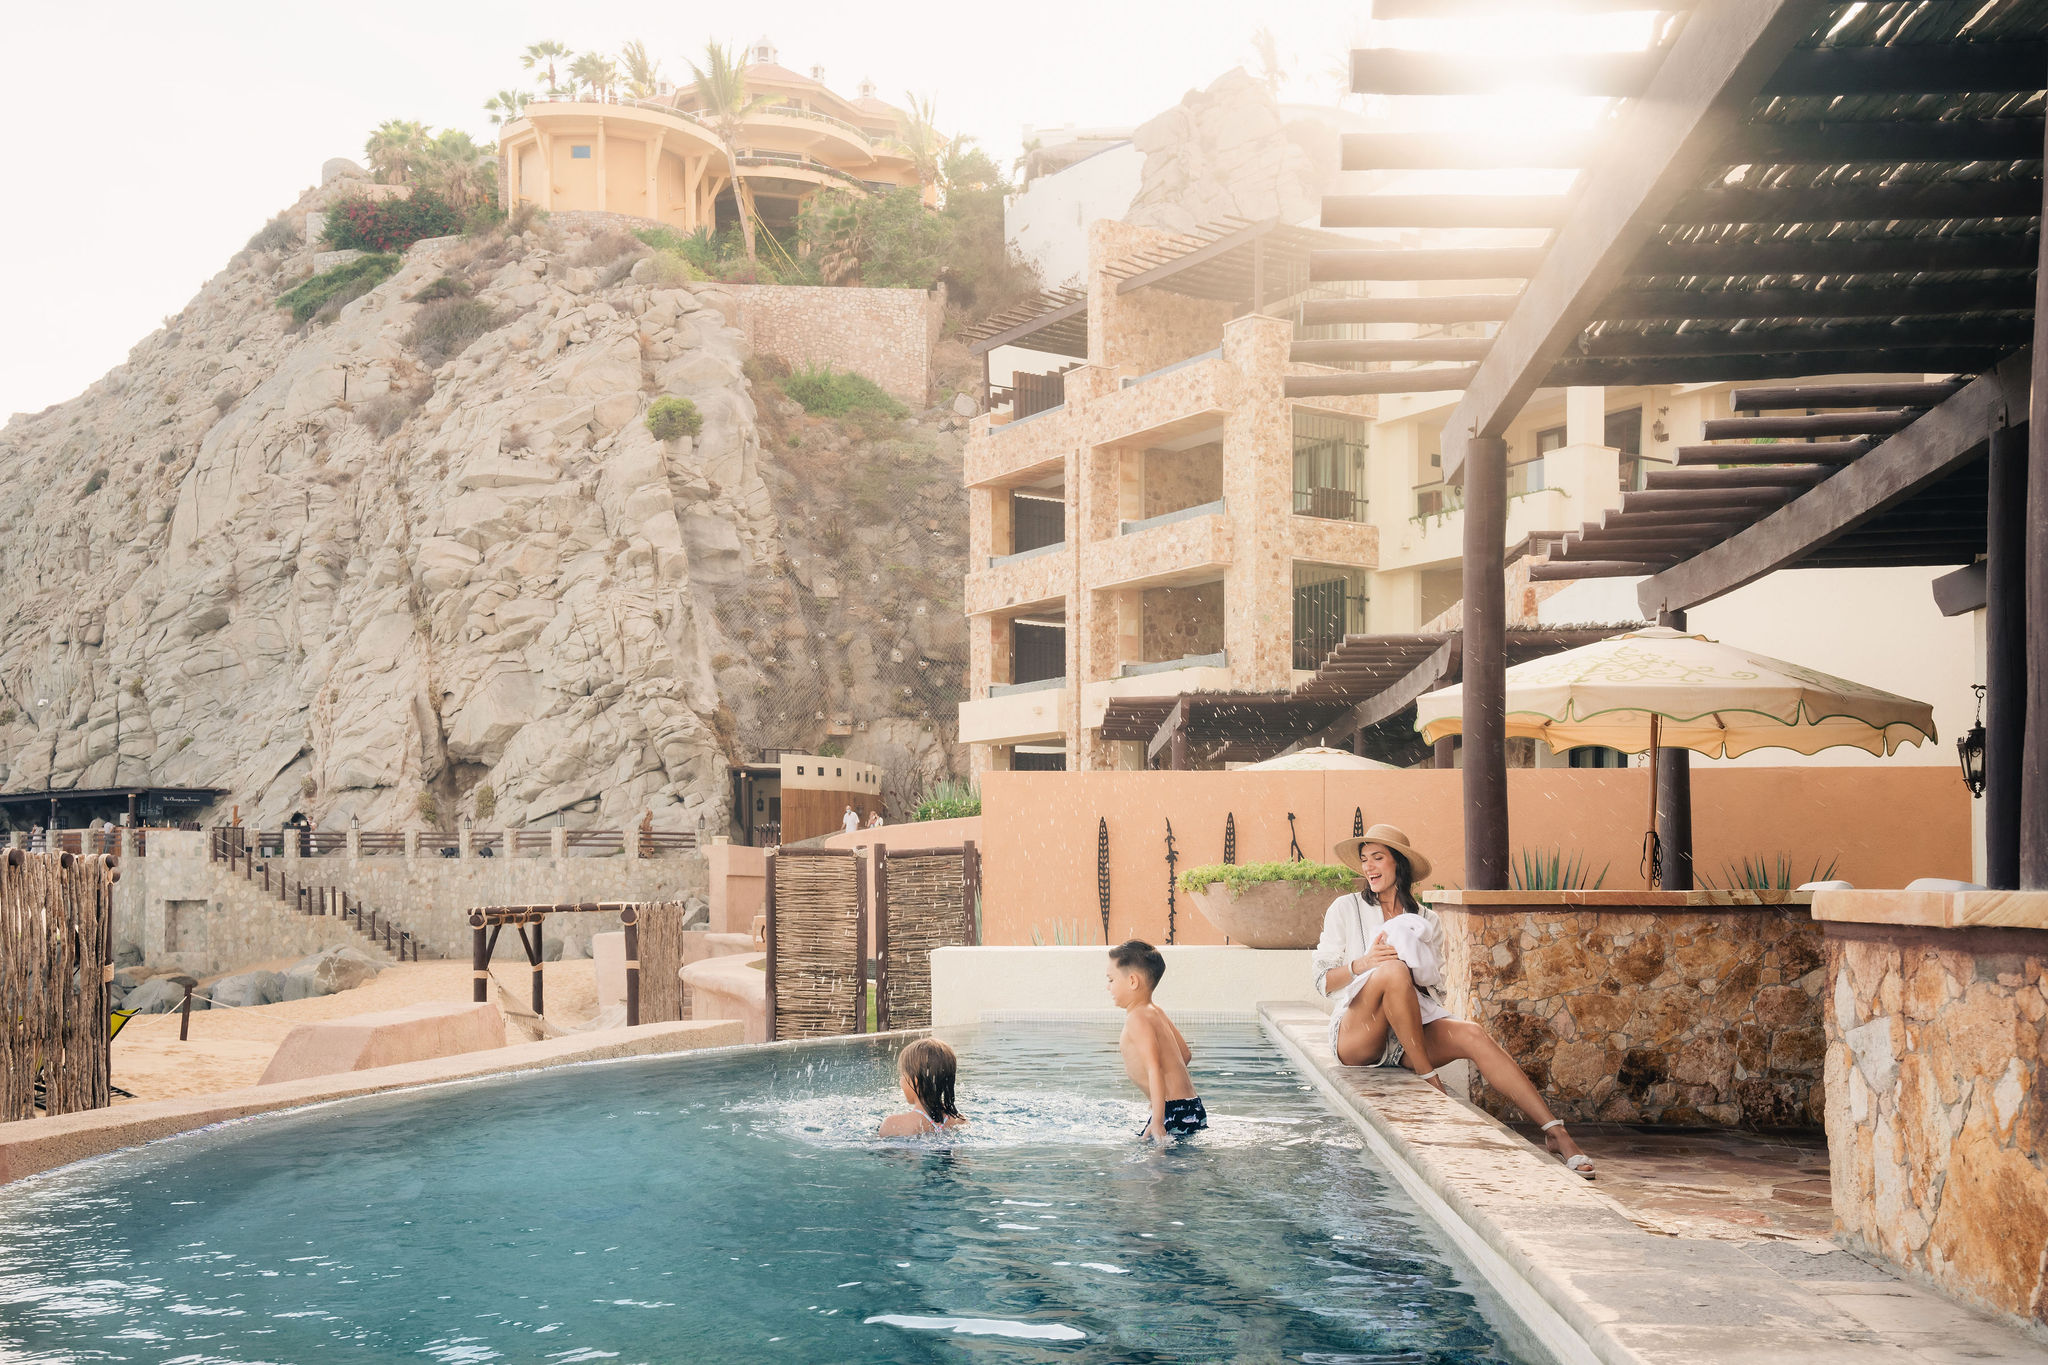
{"x":643,"y":76}
{"x":599,"y":74}
{"x":1272,"y":72}
{"x":507,"y":105}
{"x":544,"y":56}
{"x":457,"y":169}
{"x":1026,"y":163}
{"x":922,"y":141}
{"x":396,"y":150}
{"x":722,"y":95}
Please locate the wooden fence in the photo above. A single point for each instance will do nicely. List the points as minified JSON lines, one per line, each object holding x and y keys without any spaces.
{"x":56,"y":962}
{"x":924,"y":899}
{"x":817,"y":911}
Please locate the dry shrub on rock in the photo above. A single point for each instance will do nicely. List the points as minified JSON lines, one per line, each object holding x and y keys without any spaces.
{"x":446,"y":327}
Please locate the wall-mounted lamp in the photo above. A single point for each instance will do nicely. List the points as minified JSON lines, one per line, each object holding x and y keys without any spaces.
{"x":1970,"y":748}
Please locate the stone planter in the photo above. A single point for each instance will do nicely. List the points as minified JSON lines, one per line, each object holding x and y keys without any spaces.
{"x":1268,"y":914}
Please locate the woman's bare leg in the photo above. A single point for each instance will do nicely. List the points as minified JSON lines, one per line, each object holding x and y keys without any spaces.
{"x":1387,"y":1001}
{"x":1461,"y":1039}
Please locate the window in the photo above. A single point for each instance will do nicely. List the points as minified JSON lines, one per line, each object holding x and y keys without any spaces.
{"x":1329,"y":603}
{"x":800,"y":770}
{"x":1036,"y":520}
{"x":1549,"y":439}
{"x":1595,"y":756}
{"x":838,"y":772}
{"x":579,"y":153}
{"x":1625,"y":431}
{"x":1329,"y":466}
{"x":1038,"y":650}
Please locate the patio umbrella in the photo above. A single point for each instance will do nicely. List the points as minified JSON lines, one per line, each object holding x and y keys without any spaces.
{"x":1661,"y":688}
{"x":1320,"y":758}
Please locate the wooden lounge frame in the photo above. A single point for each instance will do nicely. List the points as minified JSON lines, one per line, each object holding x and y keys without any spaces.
{"x":486,"y":922}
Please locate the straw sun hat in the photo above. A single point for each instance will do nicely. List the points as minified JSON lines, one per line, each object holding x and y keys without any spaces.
{"x":1348,"y":850}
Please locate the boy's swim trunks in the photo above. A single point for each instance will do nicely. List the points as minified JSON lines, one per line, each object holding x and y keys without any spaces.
{"x":1182,"y":1118}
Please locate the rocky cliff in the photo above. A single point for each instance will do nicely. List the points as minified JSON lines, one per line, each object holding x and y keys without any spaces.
{"x":1230,"y":151}
{"x":325,"y":567}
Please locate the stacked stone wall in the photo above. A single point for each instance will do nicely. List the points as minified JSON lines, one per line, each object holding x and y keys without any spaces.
{"x":885,"y":334}
{"x":1182,"y":478}
{"x":1669,"y":1017}
{"x":1937,"y":1106}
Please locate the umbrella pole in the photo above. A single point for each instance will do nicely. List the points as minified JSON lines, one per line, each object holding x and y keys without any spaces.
{"x":1652,"y":853}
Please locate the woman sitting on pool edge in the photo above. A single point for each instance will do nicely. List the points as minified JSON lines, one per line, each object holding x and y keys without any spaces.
{"x":926,"y":1071}
{"x":1380,"y":962}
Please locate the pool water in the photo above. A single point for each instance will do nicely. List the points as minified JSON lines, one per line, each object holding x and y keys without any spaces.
{"x":735,"y":1208}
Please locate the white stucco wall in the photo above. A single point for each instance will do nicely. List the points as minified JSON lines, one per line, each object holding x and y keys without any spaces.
{"x":1048,"y":220}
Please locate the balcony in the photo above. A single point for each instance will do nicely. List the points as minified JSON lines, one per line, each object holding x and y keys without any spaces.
{"x":1441,"y":499}
{"x":1205,"y":509}
{"x":1017,"y":713}
{"x":1330,"y":504}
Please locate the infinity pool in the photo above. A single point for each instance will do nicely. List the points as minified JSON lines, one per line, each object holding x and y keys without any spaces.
{"x":733,"y":1208}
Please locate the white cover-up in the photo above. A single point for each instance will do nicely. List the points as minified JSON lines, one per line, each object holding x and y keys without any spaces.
{"x":1350,"y":926}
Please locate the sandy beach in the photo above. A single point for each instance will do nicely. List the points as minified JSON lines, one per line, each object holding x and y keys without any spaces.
{"x":229,"y":1048}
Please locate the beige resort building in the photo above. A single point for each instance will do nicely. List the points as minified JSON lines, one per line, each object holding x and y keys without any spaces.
{"x":1158,"y":517}
{"x":660,"y":158}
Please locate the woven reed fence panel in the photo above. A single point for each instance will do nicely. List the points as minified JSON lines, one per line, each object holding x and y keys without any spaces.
{"x":818,"y":950}
{"x":925,"y":912}
{"x":56,"y":945}
{"x":661,"y":963}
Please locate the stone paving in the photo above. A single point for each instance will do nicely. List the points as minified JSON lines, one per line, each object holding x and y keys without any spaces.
{"x":1689,"y":1249}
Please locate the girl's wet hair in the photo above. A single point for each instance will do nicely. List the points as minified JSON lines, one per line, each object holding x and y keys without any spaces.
{"x":930,"y":1067}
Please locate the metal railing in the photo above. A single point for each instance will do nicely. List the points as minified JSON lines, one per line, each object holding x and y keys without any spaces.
{"x":794,"y":111}
{"x":1440,"y":498}
{"x":229,"y":845}
{"x":806,"y":163}
{"x":767,"y":833}
{"x":1331,"y":504}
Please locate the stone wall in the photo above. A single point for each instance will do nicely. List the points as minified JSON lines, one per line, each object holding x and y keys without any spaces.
{"x":885,"y":334}
{"x":1181,"y":621}
{"x":1937,"y":1105}
{"x":1673,"y":1013}
{"x":1182,"y":478}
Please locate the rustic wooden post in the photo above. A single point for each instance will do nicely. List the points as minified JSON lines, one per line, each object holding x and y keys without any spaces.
{"x":768,"y":911}
{"x":882,"y":938}
{"x":185,"y":1014}
{"x":1485,"y":665}
{"x":631,"y":919}
{"x":970,"y":891}
{"x":480,"y":963}
{"x":533,"y":960}
{"x":2032,"y":729}
{"x":2005,"y":655}
{"x":860,"y":941}
{"x":1674,"y":800}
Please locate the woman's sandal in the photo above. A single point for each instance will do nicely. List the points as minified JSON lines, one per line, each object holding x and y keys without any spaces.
{"x":1578,"y":1163}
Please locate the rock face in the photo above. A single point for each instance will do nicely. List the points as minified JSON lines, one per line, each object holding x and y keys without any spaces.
{"x":1228,"y":150}
{"x":327,"y":570}
{"x":328,"y":972}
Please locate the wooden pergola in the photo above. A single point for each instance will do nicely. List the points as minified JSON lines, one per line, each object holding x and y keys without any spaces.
{"x":1785,"y":189}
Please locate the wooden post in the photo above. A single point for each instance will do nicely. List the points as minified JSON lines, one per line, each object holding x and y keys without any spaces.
{"x":860,"y":941}
{"x":768,"y":911}
{"x":185,"y":1014}
{"x":2033,"y":821}
{"x":533,"y":960}
{"x":2005,"y":655}
{"x":1443,"y":754}
{"x":1485,"y":665}
{"x":1674,"y":800}
{"x":479,"y":961}
{"x":970,"y":891}
{"x":630,"y":918}
{"x":882,"y":938}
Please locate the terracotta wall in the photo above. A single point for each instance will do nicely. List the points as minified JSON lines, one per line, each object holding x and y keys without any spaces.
{"x":1883,"y":826}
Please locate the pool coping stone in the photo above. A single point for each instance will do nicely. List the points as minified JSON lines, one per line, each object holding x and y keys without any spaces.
{"x":32,"y":1146}
{"x":1624,"y":1291}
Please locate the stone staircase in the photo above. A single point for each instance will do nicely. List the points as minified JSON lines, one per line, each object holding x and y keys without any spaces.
{"x":377,"y":935}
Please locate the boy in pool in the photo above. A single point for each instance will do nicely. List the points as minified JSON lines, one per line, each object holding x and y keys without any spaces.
{"x":1155,"y":1054}
{"x":925,"y":1070}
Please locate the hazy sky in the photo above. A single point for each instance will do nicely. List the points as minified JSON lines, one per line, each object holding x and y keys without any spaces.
{"x":175,"y":131}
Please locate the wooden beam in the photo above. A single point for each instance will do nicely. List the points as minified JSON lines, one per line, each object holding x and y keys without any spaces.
{"x":1955,"y":68}
{"x":1484,"y":724}
{"x":1644,"y":551}
{"x":1393,"y":71}
{"x":2033,"y":833}
{"x":1888,"y":141}
{"x":1424,"y":308}
{"x":1423,"y":677}
{"x":1471,"y":151}
{"x":1862,"y":203}
{"x":1443,"y":378}
{"x":1443,"y":210}
{"x":1818,"y":424}
{"x":1915,"y":458}
{"x":1905,"y":395}
{"x":1408,"y":348}
{"x":1447,"y":263}
{"x":1229,"y":241}
{"x":1966,"y":296}
{"x":1173,"y":732}
{"x":1552,"y":573}
{"x":1717,"y":65}
{"x":1709,"y":369}
{"x":1686,"y":499}
{"x":1770,"y":476}
{"x":1014,"y":336}
{"x":1828,"y":256}
{"x":1616,"y":519}
{"x":1885,"y":337}
{"x":1458,"y":9}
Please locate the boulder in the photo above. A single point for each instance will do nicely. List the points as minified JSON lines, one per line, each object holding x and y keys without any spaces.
{"x":245,"y":989}
{"x":329,"y":972}
{"x":127,"y":954}
{"x":341,"y":168}
{"x":160,"y":995}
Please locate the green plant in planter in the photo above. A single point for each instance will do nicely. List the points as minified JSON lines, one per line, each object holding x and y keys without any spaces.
{"x":1237,"y":878}
{"x":1764,"y":873}
{"x":1535,"y":870}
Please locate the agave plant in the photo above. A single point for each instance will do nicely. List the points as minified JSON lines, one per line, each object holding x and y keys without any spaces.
{"x":1771,"y":872}
{"x":1536,"y":870}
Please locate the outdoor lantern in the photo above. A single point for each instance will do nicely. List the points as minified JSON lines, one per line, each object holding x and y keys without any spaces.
{"x":700,"y":825}
{"x":1970,"y":748}
{"x":355,"y":823}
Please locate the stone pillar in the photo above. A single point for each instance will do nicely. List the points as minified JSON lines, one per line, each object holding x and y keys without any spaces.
{"x":462,"y":842}
{"x":1258,"y":496}
{"x":632,"y":833}
{"x":558,"y":842}
{"x":412,"y":843}
{"x":355,"y":842}
{"x":292,"y":841}
{"x":127,"y":845}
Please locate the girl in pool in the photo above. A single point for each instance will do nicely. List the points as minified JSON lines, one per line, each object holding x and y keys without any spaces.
{"x":926,"y":1071}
